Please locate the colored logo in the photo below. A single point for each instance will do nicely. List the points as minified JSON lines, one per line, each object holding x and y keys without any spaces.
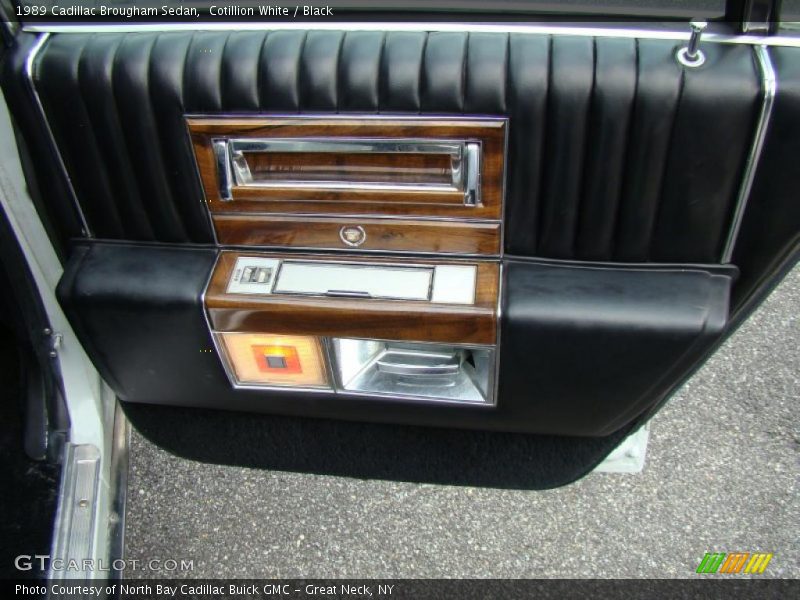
{"x":734,"y":562}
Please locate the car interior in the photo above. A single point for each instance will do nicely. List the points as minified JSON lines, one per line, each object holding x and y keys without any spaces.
{"x":442,"y":248}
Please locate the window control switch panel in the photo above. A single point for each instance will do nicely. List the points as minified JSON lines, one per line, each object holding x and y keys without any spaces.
{"x":253,"y":275}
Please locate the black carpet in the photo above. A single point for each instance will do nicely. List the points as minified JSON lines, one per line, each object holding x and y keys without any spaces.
{"x":371,"y":451}
{"x":29,"y":488}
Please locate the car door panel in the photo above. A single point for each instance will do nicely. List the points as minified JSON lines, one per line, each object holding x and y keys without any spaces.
{"x":658,"y":216}
{"x":585,"y":348}
{"x":624,"y":174}
{"x":767,"y":242}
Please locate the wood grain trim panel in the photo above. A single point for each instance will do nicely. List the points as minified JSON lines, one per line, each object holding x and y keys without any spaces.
{"x":356,"y":317}
{"x":312,"y":200}
{"x":491,"y":132}
{"x":392,"y":235}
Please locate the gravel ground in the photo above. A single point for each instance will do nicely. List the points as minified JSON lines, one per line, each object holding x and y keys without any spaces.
{"x":721,"y":475}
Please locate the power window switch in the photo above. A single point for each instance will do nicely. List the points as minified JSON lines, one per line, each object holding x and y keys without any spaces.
{"x":253,"y":275}
{"x":256,"y":275}
{"x":262,"y":275}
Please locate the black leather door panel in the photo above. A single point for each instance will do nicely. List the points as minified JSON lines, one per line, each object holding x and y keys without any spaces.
{"x":614,"y":270}
{"x":769,"y":239}
{"x":585,"y":350}
{"x":623,"y":170}
{"x":615,"y":152}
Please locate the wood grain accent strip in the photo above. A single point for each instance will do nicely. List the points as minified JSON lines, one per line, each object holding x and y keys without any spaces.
{"x":318,"y":200}
{"x":356,"y":317}
{"x":411,"y":203}
{"x":393,"y":235}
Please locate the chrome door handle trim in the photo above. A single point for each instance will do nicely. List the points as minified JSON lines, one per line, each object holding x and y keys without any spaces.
{"x":233,"y":170}
{"x":224,"y":176}
{"x":349,"y":145}
{"x":472,"y":188}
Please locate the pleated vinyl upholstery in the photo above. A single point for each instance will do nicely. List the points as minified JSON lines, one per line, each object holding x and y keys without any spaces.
{"x":616,"y":153}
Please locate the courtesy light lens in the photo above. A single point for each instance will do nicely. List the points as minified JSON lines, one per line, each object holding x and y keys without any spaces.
{"x":268,"y":359}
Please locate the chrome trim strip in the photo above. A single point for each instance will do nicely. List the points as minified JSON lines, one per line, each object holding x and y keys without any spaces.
{"x":348,"y":256}
{"x":76,"y":515}
{"x":498,"y":322}
{"x":330,"y":362}
{"x":29,"y":65}
{"x":770,"y":85}
{"x":594,"y":30}
{"x":260,"y":116}
{"x":503,"y":198}
{"x":446,"y":256}
{"x":392,"y":397}
{"x":281,"y":388}
{"x":501,"y":276}
{"x":120,"y":454}
{"x":222,"y":159}
{"x":214,"y":341}
{"x":355,"y":216}
{"x":547,"y":29}
{"x":468,"y":346}
{"x":472,"y":175}
{"x":244,"y":180}
{"x":365,"y":145}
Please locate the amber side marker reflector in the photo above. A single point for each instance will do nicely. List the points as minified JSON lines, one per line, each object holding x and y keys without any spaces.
{"x":266,"y":359}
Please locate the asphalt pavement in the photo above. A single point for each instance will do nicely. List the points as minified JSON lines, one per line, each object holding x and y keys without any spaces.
{"x":721,"y":474}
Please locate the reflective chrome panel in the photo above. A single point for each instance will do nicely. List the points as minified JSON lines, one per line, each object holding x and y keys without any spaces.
{"x":234,"y":170}
{"x":431,"y":372}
